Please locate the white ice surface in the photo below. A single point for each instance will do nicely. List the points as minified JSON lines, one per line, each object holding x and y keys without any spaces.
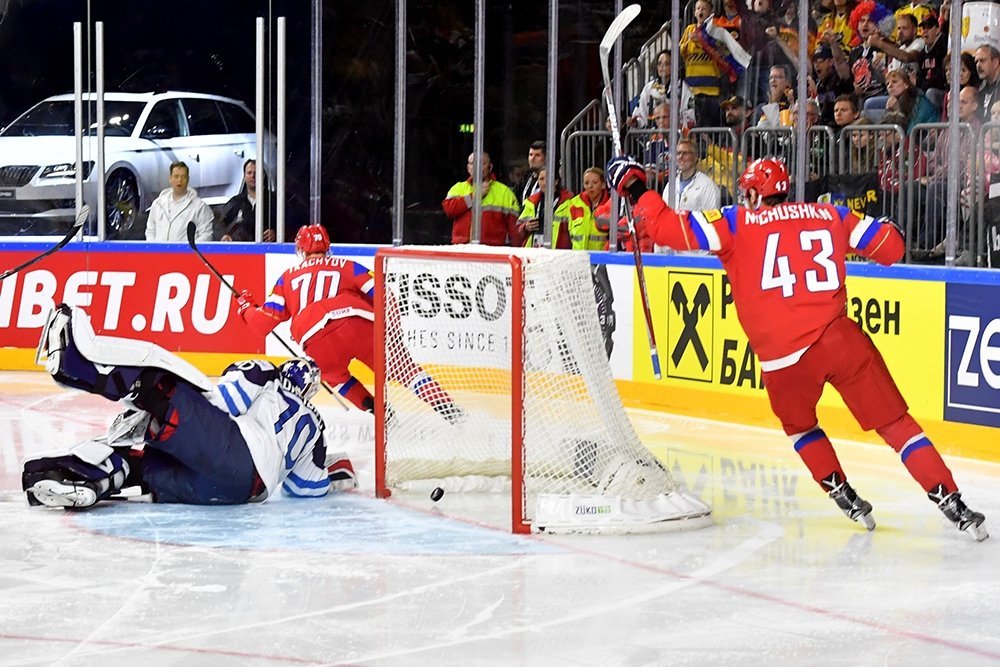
{"x":782,"y":578}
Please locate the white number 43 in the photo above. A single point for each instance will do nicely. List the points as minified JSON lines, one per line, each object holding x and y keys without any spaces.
{"x":777,"y":272}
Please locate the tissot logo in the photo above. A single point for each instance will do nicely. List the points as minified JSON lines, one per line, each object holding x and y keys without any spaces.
{"x":689,"y":326}
{"x":458,"y":297}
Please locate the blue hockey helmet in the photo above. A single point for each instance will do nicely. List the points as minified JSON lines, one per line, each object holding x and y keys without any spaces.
{"x":301,"y":376}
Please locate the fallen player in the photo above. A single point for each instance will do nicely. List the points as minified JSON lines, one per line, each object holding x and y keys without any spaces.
{"x":181,"y":438}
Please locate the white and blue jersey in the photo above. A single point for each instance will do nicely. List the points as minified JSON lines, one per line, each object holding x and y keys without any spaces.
{"x":283,"y":432}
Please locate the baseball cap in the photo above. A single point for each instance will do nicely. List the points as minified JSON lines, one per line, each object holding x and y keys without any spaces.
{"x":734,"y":101}
{"x":823,"y":51}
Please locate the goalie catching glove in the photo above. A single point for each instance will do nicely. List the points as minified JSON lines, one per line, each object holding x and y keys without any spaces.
{"x":626,"y":177}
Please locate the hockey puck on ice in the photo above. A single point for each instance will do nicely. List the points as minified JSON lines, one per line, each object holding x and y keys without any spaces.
{"x":437,"y":494}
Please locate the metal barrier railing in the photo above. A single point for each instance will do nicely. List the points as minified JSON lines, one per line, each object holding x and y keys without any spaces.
{"x":988,"y":196}
{"x":877,"y":152}
{"x":927,"y":194}
{"x":583,"y":149}
{"x":719,"y":158}
{"x":892,"y":173}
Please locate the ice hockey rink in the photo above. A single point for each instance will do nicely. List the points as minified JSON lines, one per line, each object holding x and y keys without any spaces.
{"x":780,"y":578}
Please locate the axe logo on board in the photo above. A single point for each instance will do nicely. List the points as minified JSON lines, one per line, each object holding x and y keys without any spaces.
{"x":690,"y":328}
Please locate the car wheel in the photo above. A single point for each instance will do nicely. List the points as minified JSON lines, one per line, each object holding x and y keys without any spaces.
{"x":122,"y":202}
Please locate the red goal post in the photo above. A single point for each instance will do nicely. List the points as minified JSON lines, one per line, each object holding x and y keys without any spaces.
{"x":491,"y":373}
{"x":517,"y":342}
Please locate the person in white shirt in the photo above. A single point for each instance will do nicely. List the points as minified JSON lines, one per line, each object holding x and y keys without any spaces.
{"x":695,"y":190}
{"x":176,"y":207}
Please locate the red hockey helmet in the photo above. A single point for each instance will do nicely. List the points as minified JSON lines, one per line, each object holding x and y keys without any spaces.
{"x":767,"y":176}
{"x":312,"y":239}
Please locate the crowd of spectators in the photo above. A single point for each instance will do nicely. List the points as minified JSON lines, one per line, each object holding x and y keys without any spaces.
{"x":881,"y":69}
{"x":872,"y":66}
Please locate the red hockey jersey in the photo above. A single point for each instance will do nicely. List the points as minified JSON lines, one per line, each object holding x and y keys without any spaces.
{"x":786,"y":263}
{"x":313,"y":293}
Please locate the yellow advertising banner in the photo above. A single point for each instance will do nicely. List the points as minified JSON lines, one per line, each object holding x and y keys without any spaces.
{"x":702,"y":345}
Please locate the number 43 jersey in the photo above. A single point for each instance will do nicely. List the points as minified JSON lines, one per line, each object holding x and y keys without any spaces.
{"x":786,"y":263}
{"x":313,"y":293}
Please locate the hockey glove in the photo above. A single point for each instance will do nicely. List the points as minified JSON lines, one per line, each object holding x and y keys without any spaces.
{"x":245,"y":302}
{"x":889,"y":221}
{"x":622,"y":172}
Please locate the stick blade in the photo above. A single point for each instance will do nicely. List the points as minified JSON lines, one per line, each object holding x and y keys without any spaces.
{"x":191,"y":230}
{"x":618,"y":26}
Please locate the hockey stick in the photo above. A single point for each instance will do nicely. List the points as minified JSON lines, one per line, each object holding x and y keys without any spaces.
{"x":615,"y":31}
{"x":191,"y":229}
{"x":81,"y":218}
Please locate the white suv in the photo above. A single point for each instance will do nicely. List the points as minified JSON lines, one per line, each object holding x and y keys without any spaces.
{"x":144,"y":133}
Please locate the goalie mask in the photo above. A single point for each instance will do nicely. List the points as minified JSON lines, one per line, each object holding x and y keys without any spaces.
{"x":301,"y":377}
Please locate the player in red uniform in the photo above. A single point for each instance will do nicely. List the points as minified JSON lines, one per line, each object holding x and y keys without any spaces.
{"x":329,"y":301}
{"x":786,"y":263}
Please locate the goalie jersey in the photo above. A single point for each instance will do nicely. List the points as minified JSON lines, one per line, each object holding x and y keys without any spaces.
{"x":283,"y":432}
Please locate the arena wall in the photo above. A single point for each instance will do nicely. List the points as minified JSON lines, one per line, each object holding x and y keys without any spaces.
{"x":938,"y":328}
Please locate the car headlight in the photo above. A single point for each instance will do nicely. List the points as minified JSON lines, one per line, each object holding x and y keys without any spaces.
{"x":66,"y":170}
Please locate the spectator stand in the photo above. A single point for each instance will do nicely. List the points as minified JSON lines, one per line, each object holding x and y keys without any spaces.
{"x":927,"y":195}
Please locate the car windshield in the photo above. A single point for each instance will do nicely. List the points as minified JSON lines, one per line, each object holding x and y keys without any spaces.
{"x":56,"y":119}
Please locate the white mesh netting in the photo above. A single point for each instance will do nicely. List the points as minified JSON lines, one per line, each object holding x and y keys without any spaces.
{"x":448,"y":372}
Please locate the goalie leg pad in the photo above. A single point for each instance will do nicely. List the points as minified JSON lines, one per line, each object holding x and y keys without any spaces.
{"x":92,"y":471}
{"x":340,"y":472}
{"x":76,"y":357}
{"x":70,"y":367}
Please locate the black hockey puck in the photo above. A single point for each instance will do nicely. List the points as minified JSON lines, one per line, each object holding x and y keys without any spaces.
{"x":437,"y":494}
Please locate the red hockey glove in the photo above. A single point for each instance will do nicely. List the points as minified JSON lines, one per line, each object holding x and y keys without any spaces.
{"x":244,"y":302}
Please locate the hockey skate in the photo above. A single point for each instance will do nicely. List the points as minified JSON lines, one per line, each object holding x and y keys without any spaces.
{"x":849,"y":502}
{"x":451,"y":412}
{"x":955,"y":509}
{"x":56,"y":492}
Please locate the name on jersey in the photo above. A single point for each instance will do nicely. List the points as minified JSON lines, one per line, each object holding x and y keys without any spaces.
{"x":787,"y":212}
{"x":328,"y":260}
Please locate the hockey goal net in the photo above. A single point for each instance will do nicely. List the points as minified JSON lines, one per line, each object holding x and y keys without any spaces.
{"x":493,"y":375}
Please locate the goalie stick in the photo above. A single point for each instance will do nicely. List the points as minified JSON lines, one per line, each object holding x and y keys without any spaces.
{"x":191,"y":229}
{"x":615,"y":31}
{"x":81,"y":218}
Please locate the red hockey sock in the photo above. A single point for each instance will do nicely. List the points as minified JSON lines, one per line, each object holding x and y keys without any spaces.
{"x":429,"y":390}
{"x":919,"y":455}
{"x":818,"y":455}
{"x":356,"y":393}
{"x":926,"y":466}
